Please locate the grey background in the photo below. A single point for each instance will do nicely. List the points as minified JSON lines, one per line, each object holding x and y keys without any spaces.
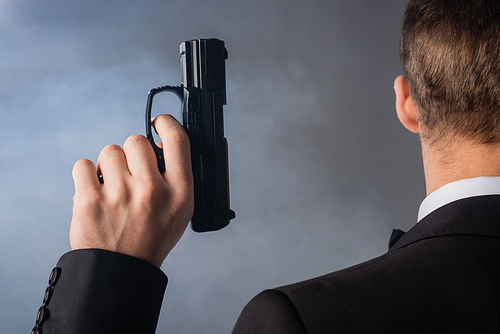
{"x":321,"y":170}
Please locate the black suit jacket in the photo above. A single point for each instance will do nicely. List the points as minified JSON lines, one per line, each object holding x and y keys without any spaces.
{"x":443,"y":276}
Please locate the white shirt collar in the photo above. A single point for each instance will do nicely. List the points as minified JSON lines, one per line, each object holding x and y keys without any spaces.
{"x":479,"y":186}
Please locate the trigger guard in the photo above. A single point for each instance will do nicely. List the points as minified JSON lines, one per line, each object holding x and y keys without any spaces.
{"x":179,"y":91}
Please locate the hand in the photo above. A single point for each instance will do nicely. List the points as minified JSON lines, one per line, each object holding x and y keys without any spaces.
{"x":136,"y":211}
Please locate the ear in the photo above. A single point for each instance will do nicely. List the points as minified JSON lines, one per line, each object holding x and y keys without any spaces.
{"x":407,"y":113}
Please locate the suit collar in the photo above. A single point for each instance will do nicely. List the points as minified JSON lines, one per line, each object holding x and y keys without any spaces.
{"x":478,"y":186}
{"x":478,"y":216}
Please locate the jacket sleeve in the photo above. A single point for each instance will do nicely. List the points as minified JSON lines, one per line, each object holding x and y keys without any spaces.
{"x":97,"y":291}
{"x":269,"y":312}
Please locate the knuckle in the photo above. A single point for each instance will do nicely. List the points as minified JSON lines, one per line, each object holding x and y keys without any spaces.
{"x":136,"y":140}
{"x":154,"y":192}
{"x":120,"y":196}
{"x":185,"y":191}
{"x":145,"y":193}
{"x":148,"y":197}
{"x":184,"y":203}
{"x":111,"y":150}
{"x":83,"y":164}
{"x":87,"y":199}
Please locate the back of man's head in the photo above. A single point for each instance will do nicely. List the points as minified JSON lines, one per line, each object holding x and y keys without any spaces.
{"x":450,"y":50}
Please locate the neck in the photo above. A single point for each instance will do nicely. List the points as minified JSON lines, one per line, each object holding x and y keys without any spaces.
{"x":458,"y":159}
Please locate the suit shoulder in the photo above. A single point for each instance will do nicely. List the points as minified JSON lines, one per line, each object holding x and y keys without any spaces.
{"x":403,"y":287}
{"x":271,"y":311}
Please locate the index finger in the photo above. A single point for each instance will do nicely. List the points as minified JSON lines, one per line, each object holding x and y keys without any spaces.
{"x":176,"y":150}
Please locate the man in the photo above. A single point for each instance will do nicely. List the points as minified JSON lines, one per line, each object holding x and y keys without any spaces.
{"x":440,"y":277}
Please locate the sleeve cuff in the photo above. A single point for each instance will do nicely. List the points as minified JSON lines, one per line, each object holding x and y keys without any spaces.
{"x":99,"y":291}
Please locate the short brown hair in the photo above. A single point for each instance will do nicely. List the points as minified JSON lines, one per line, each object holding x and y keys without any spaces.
{"x":450,"y":51}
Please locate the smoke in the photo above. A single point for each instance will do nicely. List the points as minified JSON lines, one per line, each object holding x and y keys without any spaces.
{"x":320,"y":169}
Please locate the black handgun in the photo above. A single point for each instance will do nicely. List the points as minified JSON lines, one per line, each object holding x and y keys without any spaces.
{"x":203,"y":94}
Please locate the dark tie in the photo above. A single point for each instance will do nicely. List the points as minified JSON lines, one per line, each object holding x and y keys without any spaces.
{"x":395,"y":236}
